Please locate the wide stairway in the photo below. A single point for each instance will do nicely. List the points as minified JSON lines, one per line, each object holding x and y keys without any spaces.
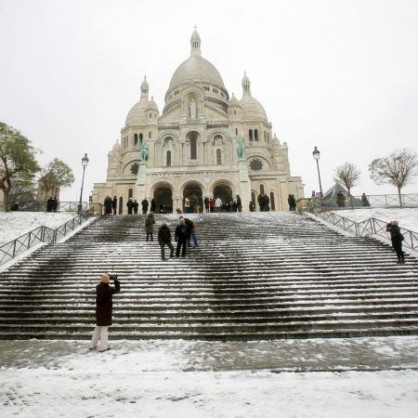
{"x":254,"y":276}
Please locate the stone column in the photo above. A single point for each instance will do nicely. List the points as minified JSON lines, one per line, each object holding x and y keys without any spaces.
{"x":141,"y":190}
{"x":244,"y":184}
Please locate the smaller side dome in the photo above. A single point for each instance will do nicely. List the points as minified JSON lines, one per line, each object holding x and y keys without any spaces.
{"x":152,"y":105}
{"x":234,"y":102}
{"x":137,"y":114}
{"x":251,"y":107}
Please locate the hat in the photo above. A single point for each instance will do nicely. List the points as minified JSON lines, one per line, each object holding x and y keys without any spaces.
{"x":104,"y":278}
{"x":394,"y":222}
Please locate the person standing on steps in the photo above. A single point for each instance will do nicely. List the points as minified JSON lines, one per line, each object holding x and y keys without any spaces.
{"x":164,"y":238}
{"x":153,"y":208}
{"x":104,"y":308}
{"x":396,"y":237}
{"x":192,"y":232}
{"x":149,"y":226}
{"x":114,"y":204}
{"x":144,"y":205}
{"x":182,"y":235}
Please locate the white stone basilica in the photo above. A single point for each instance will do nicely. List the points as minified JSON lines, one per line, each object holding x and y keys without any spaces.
{"x":205,"y":143}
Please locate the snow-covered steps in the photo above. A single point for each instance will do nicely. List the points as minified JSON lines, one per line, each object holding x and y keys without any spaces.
{"x":254,"y":276}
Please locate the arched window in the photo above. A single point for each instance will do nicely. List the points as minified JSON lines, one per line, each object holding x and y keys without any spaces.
{"x":262,"y":188}
{"x":130,"y":193}
{"x":255,"y":134}
{"x":168,"y":158}
{"x":193,"y":148}
{"x":236,"y":131}
{"x":135,"y":139}
{"x":272,"y":204}
{"x":141,"y":137}
{"x":218,"y":157}
{"x":250,"y":132}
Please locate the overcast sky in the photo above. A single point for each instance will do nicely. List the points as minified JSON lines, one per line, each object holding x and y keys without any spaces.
{"x":341,"y":75}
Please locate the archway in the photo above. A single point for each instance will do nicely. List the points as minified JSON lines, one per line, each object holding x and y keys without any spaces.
{"x":223,"y":191}
{"x":193,"y":192}
{"x":163,"y":196}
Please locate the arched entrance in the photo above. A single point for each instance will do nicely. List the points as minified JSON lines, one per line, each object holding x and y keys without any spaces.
{"x":224,"y":192}
{"x":163,"y":196}
{"x":193,"y":192}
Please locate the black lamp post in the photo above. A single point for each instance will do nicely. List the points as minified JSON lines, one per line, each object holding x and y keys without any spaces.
{"x":316,"y":154}
{"x":84,"y":162}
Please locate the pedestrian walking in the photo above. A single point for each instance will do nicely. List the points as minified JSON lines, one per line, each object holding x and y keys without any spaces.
{"x":104,"y":311}
{"x":181,"y":235}
{"x":114,"y":204}
{"x":164,"y":239}
{"x":396,"y":238}
{"x":149,"y":226}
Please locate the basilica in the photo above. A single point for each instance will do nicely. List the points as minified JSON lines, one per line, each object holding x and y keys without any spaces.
{"x":205,"y":143}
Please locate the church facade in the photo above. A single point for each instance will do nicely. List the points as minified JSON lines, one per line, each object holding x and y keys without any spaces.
{"x":203,"y":144}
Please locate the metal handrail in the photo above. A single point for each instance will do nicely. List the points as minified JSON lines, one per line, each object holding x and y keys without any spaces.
{"x":18,"y":246}
{"x":371,"y":227}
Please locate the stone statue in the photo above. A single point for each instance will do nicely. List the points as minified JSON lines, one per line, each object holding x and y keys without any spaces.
{"x":144,"y":152}
{"x":240,"y":147}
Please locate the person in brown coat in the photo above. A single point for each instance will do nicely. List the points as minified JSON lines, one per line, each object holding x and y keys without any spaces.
{"x":104,"y":294}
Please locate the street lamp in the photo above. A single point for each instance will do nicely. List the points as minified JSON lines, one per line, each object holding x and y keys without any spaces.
{"x":316,"y":154}
{"x":84,"y":162}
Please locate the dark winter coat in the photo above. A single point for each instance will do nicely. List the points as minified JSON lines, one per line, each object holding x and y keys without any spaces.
{"x":182,"y":232}
{"x":104,"y":294}
{"x":395,"y":234}
{"x":164,"y":234}
{"x":149,"y":225}
{"x":153,"y":205}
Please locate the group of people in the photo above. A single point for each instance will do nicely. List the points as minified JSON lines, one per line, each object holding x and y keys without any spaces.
{"x":110,"y":205}
{"x":217,"y":205}
{"x":52,"y":204}
{"x":263,"y":202}
{"x":185,"y":232}
{"x":291,"y":200}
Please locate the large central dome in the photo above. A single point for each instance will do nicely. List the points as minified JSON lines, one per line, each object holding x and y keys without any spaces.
{"x":196,"y":68}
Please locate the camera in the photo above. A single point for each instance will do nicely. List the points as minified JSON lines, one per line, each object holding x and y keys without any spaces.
{"x":113,"y":276}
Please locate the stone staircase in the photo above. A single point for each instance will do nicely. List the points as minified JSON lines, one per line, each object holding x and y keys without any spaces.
{"x":255,"y":276}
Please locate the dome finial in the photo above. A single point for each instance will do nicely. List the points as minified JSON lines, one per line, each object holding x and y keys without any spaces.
{"x":246,"y":84}
{"x":144,"y":87}
{"x":195,"y":42}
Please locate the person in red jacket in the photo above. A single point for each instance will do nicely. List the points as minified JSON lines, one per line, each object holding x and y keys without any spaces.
{"x":104,"y":293}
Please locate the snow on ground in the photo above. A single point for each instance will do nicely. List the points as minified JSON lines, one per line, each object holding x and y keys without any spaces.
{"x":290,"y":378}
{"x":368,"y":377}
{"x":16,"y":224}
{"x":407,"y":217}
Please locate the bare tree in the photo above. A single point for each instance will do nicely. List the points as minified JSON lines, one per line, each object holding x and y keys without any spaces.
{"x":397,"y":169}
{"x":347,"y":175}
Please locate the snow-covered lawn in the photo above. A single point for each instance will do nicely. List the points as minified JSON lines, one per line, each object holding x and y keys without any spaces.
{"x":15,"y":224}
{"x":407,"y":217}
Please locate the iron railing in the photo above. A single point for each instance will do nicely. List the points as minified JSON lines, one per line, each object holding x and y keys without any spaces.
{"x":371,"y":227}
{"x":20,"y":245}
{"x":317,"y":204}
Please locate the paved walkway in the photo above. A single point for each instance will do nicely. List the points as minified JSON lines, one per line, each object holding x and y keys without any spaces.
{"x":379,"y":353}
